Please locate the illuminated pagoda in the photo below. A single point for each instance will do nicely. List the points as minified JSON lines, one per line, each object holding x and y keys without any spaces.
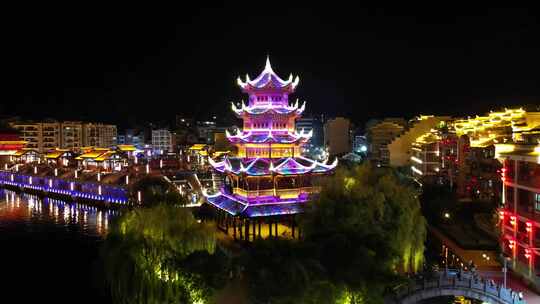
{"x":268,"y":181}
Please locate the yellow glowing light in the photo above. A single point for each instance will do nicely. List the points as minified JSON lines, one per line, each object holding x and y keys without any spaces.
{"x":503,"y":148}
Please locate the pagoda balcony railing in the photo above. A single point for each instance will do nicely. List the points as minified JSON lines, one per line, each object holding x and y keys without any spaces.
{"x":282,"y":193}
{"x":253,"y":193}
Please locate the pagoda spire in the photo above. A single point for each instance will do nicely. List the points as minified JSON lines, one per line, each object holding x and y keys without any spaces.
{"x":268,"y":66}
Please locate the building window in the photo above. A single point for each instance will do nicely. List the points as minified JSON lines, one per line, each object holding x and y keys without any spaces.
{"x":537,"y":202}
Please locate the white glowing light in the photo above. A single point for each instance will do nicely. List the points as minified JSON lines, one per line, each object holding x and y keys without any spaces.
{"x":416,"y":170}
{"x":416,"y":160}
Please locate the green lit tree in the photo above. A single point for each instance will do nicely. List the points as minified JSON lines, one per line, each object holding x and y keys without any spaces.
{"x":368,"y":225}
{"x":149,"y":257}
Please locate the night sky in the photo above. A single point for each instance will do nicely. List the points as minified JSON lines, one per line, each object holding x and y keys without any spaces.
{"x":127,"y":67}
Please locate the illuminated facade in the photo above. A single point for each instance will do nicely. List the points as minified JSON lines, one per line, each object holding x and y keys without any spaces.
{"x":478,"y":168}
{"x":10,"y":143}
{"x":269,"y":176}
{"x":47,"y":136}
{"x":425,"y":159}
{"x":519,"y":214}
{"x":497,"y":127}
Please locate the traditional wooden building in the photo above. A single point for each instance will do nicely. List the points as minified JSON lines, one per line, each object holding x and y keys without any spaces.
{"x":269,"y":181}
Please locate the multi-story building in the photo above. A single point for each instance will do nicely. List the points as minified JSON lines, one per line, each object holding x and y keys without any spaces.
{"x":497,"y":127}
{"x":162,"y":141}
{"x":39,"y":136}
{"x":99,"y":135}
{"x":131,"y":137}
{"x":391,"y":140}
{"x":31,"y":133}
{"x":399,"y":149}
{"x":45,"y":136}
{"x":478,"y":176}
{"x":50,"y":136}
{"x":314,"y":125}
{"x":519,"y":214}
{"x":71,"y":135}
{"x":337,"y":136}
{"x":425,"y":158}
{"x":380,"y":134}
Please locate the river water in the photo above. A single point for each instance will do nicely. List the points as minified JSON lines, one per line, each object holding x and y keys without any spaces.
{"x":50,"y":250}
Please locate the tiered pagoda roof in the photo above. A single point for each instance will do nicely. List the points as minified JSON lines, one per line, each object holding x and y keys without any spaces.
{"x":266,"y":166}
{"x":269,"y":108}
{"x":270,"y":136}
{"x":268,"y":80}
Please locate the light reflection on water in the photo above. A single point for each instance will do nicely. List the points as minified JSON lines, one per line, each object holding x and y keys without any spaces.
{"x":51,"y":243}
{"x":27,"y":212}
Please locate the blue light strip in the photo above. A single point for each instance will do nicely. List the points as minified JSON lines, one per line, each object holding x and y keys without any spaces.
{"x":122,"y":200}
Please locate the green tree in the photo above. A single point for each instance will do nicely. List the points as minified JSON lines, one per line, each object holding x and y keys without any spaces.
{"x":144,"y":252}
{"x":368,"y":226}
{"x":280,"y":271}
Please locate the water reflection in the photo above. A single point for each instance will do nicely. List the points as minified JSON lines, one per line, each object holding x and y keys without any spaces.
{"x":33,"y":211}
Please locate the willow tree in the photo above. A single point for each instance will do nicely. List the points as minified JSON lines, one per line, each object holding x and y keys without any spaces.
{"x":369,"y":227}
{"x":142,"y":252}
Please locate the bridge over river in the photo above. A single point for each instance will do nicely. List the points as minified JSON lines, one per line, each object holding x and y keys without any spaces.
{"x":442,"y":284}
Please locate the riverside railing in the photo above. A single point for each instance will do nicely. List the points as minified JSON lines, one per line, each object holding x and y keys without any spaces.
{"x":462,"y":282}
{"x":75,"y":189}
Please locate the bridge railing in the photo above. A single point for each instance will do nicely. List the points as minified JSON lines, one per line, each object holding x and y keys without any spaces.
{"x":464,"y":280}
